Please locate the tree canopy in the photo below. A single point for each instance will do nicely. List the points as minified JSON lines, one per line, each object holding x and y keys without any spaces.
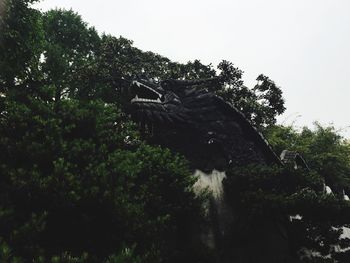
{"x":323,"y":148}
{"x":79,"y":184}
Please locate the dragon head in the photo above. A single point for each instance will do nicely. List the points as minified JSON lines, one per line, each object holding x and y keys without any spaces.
{"x":167,"y":102}
{"x":147,"y":92}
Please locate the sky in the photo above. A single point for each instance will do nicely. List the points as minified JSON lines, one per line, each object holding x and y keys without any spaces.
{"x":303,"y":45}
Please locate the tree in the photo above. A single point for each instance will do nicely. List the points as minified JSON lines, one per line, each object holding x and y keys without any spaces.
{"x":105,"y":66}
{"x":261,"y":104}
{"x":21,"y":41}
{"x":324,"y":150}
{"x":328,"y":155}
{"x":271,"y":202}
{"x":76,"y":181}
{"x":70,"y":47}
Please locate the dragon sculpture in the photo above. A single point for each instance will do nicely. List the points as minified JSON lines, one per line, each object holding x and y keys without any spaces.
{"x":185,"y":117}
{"x":213,"y":135}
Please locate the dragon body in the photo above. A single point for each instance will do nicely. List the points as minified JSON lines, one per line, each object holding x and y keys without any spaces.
{"x":185,"y":117}
{"x":213,"y":135}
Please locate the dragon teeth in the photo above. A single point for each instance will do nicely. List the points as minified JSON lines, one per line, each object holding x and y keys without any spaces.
{"x":137,"y":99}
{"x":136,"y":83}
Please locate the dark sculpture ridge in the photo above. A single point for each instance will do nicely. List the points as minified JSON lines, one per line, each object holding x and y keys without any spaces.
{"x":176,"y":110}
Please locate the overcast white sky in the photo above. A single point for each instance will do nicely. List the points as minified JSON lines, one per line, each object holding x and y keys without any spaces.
{"x":303,"y":45}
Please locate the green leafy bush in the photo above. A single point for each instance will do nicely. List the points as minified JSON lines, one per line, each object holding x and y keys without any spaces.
{"x":270,"y":200}
{"x":77,"y":178}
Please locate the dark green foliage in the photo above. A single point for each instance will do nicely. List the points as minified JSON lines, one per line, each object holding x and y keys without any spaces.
{"x":70,"y":48}
{"x":261,"y":194}
{"x":78,"y":179}
{"x":77,"y":184}
{"x":21,"y":40}
{"x":326,"y":153}
{"x":261,"y":105}
{"x":121,"y":57}
{"x":323,"y":148}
